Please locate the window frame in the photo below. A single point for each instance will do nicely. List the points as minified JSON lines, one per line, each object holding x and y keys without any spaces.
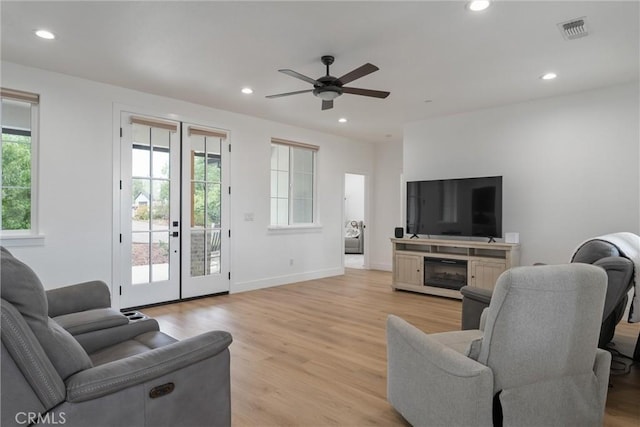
{"x":273,"y":226}
{"x":31,"y":236}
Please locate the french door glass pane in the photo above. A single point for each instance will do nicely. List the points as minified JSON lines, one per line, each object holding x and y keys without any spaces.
{"x":160,"y":256}
{"x":197,"y":204}
{"x":160,"y":163}
{"x":140,"y":192}
{"x":141,"y":162}
{"x":213,"y":252}
{"x":140,"y":258}
{"x":198,"y":253}
{"x":160,"y":205}
{"x":197,"y":157}
{"x":213,"y":205}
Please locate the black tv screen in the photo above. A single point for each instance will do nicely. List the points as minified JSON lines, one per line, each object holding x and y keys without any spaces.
{"x":455,"y":207}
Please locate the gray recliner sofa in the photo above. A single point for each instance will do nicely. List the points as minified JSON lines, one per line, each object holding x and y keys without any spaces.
{"x":113,"y":371}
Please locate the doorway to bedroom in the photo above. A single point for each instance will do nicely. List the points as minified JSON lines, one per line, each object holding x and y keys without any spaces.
{"x":354,"y":221}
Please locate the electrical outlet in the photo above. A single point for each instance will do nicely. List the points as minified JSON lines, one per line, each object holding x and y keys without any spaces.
{"x":290,"y":261}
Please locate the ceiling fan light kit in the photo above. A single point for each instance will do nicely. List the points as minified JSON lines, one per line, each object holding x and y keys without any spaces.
{"x":329,"y":88}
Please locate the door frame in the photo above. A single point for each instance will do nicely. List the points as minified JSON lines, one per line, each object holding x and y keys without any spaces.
{"x":116,"y":226}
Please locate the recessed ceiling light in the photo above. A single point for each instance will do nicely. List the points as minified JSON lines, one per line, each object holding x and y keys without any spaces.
{"x":247,"y":90}
{"x":478,"y":5}
{"x":44,"y":34}
{"x":549,"y":76}
{"x":342,"y":120}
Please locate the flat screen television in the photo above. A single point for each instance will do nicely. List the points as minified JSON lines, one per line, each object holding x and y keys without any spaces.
{"x":469,"y":207}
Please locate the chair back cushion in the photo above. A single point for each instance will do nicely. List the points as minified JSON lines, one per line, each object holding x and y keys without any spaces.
{"x":20,"y":286}
{"x":593,"y":250}
{"x":543,"y":323}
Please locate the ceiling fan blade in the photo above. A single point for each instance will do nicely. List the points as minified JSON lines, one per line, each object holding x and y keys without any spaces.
{"x":358,"y":72}
{"x":301,"y":77}
{"x":327,"y":105}
{"x":289,"y":93}
{"x":365,"y":92}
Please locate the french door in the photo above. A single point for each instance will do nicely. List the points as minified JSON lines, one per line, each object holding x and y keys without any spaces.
{"x":205,"y":192}
{"x":173,"y":211}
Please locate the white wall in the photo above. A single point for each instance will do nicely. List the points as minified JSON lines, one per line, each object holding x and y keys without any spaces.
{"x":387,"y":205}
{"x":77,"y":184}
{"x":570,"y":164}
{"x":353,"y":197}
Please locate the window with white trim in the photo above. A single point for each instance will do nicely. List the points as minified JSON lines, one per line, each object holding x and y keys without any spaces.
{"x":19,"y":148}
{"x":293,"y":183}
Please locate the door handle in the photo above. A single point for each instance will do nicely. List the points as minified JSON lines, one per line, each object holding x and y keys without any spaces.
{"x":175,"y":234}
{"x":176,"y":223}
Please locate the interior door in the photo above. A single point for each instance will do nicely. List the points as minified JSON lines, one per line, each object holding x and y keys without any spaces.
{"x":150,"y":210}
{"x":205,"y":211}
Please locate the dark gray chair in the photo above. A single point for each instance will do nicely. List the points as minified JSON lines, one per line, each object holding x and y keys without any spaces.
{"x":596,"y":252}
{"x":122,"y":371}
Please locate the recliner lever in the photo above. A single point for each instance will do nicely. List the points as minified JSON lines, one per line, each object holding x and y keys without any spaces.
{"x":161,"y":390}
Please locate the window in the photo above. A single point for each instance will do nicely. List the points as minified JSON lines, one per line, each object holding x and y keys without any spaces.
{"x":18,"y":161}
{"x":293,"y":169}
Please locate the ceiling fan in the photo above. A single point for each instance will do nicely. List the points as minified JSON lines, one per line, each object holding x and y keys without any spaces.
{"x":329,"y":88}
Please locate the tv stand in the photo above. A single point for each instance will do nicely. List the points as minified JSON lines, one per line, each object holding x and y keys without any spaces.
{"x":485,"y":261}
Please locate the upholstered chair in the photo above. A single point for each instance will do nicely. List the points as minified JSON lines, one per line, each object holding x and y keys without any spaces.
{"x":535,"y":362}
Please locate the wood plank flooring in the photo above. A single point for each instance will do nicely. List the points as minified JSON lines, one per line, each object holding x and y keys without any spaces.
{"x":314,"y":353}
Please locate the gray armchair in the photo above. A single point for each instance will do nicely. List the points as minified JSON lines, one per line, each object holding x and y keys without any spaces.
{"x":536,"y":361}
{"x":123,"y":373}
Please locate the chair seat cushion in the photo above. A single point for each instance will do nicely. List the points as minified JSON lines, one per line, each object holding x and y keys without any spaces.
{"x":140,"y":344}
{"x":91,"y":320}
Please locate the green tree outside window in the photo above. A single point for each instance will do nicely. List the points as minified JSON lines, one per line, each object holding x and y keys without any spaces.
{"x":16,"y":182}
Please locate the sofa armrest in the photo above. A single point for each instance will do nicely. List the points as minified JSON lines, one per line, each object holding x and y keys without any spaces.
{"x":94,"y":341}
{"x":432,"y":384}
{"x":82,"y":322}
{"x":79,"y":297}
{"x":474,"y":301}
{"x":120,"y":374}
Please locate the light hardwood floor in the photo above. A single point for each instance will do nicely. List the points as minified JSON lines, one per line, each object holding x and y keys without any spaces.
{"x":314,"y":353}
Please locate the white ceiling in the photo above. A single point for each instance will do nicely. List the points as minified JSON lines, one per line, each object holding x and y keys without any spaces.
{"x":206,"y":51}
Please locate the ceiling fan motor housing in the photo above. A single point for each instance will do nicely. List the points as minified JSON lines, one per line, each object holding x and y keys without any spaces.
{"x":330,"y":87}
{"x":327,"y":92}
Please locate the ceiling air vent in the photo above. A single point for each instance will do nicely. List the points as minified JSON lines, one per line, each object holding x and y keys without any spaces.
{"x":573,"y":29}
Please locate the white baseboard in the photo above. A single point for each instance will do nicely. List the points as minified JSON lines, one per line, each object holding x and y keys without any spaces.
{"x":381,"y":267}
{"x":253,"y":285}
